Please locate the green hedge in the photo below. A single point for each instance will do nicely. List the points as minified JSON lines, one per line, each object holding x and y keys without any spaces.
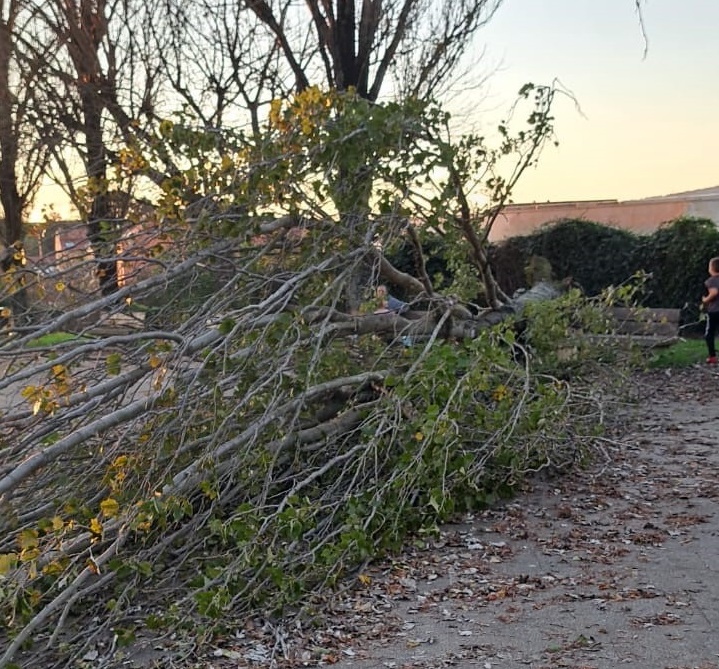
{"x":592,"y":255}
{"x":596,"y":256}
{"x":676,"y":256}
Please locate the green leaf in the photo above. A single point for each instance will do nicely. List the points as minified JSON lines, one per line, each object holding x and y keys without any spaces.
{"x":226,"y":326}
{"x":113,"y":364}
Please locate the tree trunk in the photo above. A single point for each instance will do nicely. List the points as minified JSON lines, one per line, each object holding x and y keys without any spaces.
{"x":10,"y":198}
{"x":99,"y":225}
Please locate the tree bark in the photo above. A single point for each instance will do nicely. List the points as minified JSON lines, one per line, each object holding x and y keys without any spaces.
{"x":12,"y":203}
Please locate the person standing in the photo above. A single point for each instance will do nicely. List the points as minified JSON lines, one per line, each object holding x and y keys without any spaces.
{"x":710,"y":303}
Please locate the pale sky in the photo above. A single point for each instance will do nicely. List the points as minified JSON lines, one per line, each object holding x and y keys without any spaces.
{"x":650,"y":124}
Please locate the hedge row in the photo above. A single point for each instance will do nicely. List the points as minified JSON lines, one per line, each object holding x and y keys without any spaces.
{"x":596,"y":256}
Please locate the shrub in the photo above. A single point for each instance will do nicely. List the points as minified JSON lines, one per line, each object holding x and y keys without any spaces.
{"x":593,"y":255}
{"x":597,"y":256}
{"x":676,"y":257}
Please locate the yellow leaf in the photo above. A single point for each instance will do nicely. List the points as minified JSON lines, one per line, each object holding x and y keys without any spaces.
{"x":155,"y":361}
{"x":27,"y":539}
{"x":109,"y":507}
{"x":8,"y":562}
{"x":275,"y":109}
{"x":28,"y":391}
{"x":418,"y":436}
{"x":29,"y":554}
{"x":307,"y":126}
{"x":364,"y":579}
{"x":159,"y":378}
{"x":57,"y":523}
{"x":96,"y":527}
{"x":500,"y":392}
{"x":52,"y":568}
{"x":5,"y":312}
{"x":36,"y":406}
{"x":59,"y":286}
{"x":120,"y":461}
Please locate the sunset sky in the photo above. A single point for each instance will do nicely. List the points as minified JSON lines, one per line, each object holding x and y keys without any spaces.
{"x":650,"y":124}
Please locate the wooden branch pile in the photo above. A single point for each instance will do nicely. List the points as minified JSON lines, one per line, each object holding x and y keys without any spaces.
{"x":285,"y":437}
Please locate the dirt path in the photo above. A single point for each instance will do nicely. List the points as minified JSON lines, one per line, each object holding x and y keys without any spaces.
{"x":616,"y":566}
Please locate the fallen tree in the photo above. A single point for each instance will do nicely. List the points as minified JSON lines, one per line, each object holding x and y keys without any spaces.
{"x":257,"y":450}
{"x":263,"y":434}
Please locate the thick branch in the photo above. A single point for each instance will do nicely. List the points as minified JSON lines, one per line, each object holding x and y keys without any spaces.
{"x":264,"y":13}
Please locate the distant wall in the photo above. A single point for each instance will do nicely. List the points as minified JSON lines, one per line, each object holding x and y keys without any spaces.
{"x":704,"y":209}
{"x":640,"y":216}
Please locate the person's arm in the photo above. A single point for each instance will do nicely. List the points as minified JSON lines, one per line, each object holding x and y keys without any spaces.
{"x":710,"y":296}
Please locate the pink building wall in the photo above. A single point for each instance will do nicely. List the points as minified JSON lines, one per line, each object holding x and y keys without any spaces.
{"x":640,"y":216}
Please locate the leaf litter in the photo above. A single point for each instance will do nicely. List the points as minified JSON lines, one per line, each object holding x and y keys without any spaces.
{"x":571,"y":573}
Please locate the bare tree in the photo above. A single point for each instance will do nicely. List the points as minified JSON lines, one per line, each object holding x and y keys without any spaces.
{"x":24,"y":153}
{"x":219,"y":61}
{"x":98,"y":94}
{"x":9,"y":195}
{"x":23,"y":158}
{"x":358,"y":44}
